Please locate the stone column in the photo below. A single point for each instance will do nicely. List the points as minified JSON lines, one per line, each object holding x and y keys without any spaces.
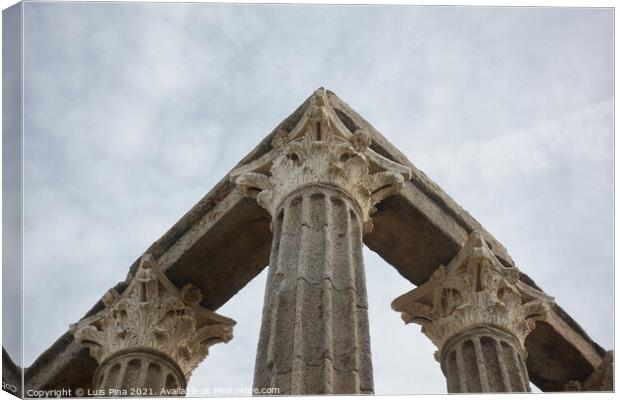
{"x":149,"y":339}
{"x":484,"y":359}
{"x":319,"y":183}
{"x":144,"y":371}
{"x":478,"y":314}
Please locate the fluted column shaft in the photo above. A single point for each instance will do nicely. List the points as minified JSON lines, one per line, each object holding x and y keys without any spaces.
{"x":484,"y":359}
{"x":314,"y":337}
{"x":478,"y":314}
{"x":139,"y":372}
{"x":319,"y":182}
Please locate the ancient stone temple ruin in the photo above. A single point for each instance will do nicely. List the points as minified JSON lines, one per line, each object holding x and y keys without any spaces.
{"x":304,"y":202}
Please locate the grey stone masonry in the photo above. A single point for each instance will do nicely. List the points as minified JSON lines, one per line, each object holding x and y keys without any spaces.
{"x":151,"y":336}
{"x":478,"y":314}
{"x":320,"y":182}
{"x":224,"y":241}
{"x":314,"y":336}
{"x":484,"y":359}
{"x":139,"y":372}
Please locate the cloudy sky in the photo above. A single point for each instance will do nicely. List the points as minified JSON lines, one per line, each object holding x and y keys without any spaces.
{"x":134,"y":111}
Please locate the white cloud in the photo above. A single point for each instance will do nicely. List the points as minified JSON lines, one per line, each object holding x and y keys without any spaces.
{"x":135,"y":111}
{"x":583,"y":136}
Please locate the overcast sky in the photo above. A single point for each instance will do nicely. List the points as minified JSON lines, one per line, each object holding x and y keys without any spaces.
{"x":134,"y":111}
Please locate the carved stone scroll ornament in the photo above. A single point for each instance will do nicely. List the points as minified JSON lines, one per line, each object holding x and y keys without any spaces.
{"x":479,"y":304}
{"x":321,"y":149}
{"x":153,"y":315}
{"x":475,"y":289}
{"x":320,"y":183}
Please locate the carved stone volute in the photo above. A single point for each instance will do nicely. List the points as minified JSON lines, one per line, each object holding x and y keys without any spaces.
{"x":320,"y":149}
{"x":475,"y":289}
{"x":153,"y":314}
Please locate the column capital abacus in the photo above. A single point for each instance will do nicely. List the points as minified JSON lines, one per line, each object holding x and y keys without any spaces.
{"x":153,"y":314}
{"x":475,"y":289}
{"x":321,"y":149}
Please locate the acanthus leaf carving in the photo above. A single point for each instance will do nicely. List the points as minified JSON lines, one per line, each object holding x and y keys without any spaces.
{"x":474,"y":289}
{"x":320,"y":149}
{"x":152,"y":313}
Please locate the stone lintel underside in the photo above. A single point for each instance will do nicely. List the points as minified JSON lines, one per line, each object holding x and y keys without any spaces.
{"x":224,"y":241}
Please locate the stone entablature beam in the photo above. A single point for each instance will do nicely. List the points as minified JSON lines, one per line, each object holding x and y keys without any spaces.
{"x":224,"y":241}
{"x":601,"y":380}
{"x":478,"y":315}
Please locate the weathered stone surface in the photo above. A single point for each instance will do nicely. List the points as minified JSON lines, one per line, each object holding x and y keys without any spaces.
{"x":478,"y":315}
{"x":152,"y":333}
{"x":484,"y":359}
{"x":66,"y":364}
{"x":320,"y":183}
{"x":474,"y":289}
{"x":413,"y":220}
{"x":314,"y":336}
{"x":224,"y":241}
{"x":321,"y":149}
{"x":559,"y":353}
{"x":421,"y":228}
{"x":219,"y":246}
{"x":601,"y":380}
{"x":139,"y":373}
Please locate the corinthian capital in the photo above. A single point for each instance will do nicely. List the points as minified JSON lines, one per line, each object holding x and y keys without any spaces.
{"x":320,"y":149}
{"x":153,"y":314}
{"x":475,"y":289}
